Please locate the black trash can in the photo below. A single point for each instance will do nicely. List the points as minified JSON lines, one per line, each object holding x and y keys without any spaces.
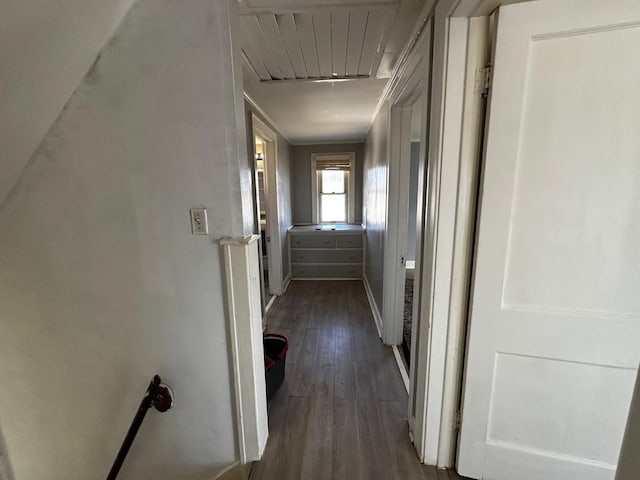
{"x":275,"y":355}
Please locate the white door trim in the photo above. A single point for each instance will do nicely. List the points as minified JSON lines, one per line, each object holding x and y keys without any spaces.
{"x":396,"y":232}
{"x":447,"y":248}
{"x":245,"y":337}
{"x":471,"y":144}
{"x":274,"y":242}
{"x":412,"y":81}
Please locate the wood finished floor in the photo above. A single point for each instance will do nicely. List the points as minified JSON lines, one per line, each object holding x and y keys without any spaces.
{"x":341,"y":412}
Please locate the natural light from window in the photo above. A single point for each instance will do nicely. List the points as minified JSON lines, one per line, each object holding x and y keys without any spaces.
{"x":333,"y":196}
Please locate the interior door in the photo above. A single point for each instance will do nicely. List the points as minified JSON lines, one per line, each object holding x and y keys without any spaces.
{"x":554,"y":338}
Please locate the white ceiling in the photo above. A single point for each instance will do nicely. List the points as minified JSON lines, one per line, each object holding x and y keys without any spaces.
{"x":288,"y":45}
{"x":316,"y":43}
{"x":308,"y":112}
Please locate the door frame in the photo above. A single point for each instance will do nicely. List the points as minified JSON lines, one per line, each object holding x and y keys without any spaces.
{"x":469,"y":150}
{"x":449,"y":226}
{"x":395,"y":245}
{"x":274,"y":244}
{"x":409,"y":82}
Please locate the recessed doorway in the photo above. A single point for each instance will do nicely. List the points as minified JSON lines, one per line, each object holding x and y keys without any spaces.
{"x":262,"y":209}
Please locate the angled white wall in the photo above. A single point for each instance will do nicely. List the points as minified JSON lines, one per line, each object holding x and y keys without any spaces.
{"x":45,"y":50}
{"x":102,"y":283}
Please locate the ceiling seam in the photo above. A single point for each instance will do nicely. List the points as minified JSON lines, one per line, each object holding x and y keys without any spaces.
{"x":257,"y":56}
{"x":382,"y":42}
{"x":286,"y":49}
{"x":346,"y":50}
{"x":364,"y":35}
{"x":268,"y":46}
{"x":331,"y":41}
{"x":249,"y":64}
{"x":304,"y":60}
{"x":265,"y":45}
{"x":287,"y":58}
{"x":382,"y":5}
{"x":315,"y":43}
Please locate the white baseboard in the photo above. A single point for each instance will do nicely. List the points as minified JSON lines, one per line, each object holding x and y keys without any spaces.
{"x":269,"y":304}
{"x":372,"y":304}
{"x":401,"y":366}
{"x":341,"y":279}
{"x":226,"y":470}
{"x":235,"y":471}
{"x":286,"y":283}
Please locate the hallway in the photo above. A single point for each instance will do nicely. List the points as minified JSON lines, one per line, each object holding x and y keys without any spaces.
{"x":341,"y":411}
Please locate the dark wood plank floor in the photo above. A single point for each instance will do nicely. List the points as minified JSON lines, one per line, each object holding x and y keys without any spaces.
{"x":341,"y":411}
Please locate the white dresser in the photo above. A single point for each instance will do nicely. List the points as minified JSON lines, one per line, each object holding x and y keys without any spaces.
{"x":335,"y":251}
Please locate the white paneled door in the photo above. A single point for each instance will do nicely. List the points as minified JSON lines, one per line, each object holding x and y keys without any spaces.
{"x":555,"y":314}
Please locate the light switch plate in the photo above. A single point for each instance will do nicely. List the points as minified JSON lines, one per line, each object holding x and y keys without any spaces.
{"x":199,"y":225}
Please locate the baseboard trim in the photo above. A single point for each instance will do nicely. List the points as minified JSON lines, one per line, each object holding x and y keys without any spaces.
{"x":270,"y":303}
{"x":401,"y":366}
{"x":236,"y":471}
{"x":351,"y":279}
{"x":372,"y":304}
{"x":286,"y":283}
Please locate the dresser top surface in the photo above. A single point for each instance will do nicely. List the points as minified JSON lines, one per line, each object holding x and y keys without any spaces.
{"x":338,"y":227}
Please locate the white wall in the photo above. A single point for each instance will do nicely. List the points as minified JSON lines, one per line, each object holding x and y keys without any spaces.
{"x":376,"y":168}
{"x":101,"y":282}
{"x":45,"y":50}
{"x":285,"y":204}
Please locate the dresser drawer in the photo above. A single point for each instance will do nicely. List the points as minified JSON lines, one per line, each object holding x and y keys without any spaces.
{"x":349,"y":241}
{"x":326,"y":256}
{"x":326,"y":271}
{"x":314,"y":240}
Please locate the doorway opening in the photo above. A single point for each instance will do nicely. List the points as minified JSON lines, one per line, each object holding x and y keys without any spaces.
{"x":267,"y":218}
{"x":262,"y":207}
{"x":413,"y":227}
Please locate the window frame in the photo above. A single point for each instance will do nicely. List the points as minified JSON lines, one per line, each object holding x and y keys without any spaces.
{"x":350,"y":184}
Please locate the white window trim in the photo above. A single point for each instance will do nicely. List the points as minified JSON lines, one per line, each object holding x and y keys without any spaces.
{"x":351,"y":193}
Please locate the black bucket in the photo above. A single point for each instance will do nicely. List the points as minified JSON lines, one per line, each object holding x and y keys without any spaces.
{"x":275,"y":355}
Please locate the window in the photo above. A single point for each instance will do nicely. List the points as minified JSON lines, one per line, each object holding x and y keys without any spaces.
{"x":332,"y":187}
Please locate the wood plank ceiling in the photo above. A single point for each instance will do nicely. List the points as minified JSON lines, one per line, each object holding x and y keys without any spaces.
{"x":316,"y":43}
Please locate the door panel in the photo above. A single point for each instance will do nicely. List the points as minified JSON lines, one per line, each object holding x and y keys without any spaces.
{"x":555,"y":315}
